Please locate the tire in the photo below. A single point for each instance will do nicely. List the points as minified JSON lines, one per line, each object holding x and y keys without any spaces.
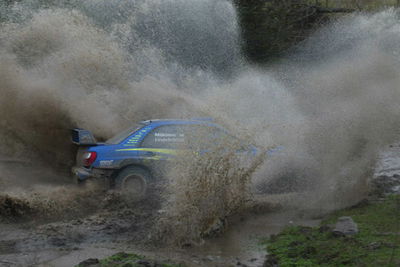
{"x":134,"y":183}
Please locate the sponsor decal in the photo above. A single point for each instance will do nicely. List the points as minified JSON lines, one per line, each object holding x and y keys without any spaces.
{"x":106,"y":163}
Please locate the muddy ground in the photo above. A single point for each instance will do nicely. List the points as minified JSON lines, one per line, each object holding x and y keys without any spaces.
{"x":100,"y":223}
{"x":69,"y":241}
{"x":119,"y":225}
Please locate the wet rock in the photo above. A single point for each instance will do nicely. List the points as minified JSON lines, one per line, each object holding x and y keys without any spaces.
{"x":345,"y":226}
{"x":89,"y":262}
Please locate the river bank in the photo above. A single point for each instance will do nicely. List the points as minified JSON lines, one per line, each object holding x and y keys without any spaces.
{"x":375,"y":243}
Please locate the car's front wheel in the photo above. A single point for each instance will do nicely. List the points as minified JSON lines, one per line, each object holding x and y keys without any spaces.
{"x":133,"y":182}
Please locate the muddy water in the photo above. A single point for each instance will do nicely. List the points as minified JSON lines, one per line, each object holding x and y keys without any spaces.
{"x":242,"y":242}
{"x":389,"y":161}
{"x":66,"y":243}
{"x":239,"y":245}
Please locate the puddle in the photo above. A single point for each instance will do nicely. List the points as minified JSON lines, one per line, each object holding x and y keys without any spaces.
{"x":241,"y":243}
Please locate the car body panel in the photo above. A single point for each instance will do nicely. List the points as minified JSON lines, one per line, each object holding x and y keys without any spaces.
{"x":129,"y":151}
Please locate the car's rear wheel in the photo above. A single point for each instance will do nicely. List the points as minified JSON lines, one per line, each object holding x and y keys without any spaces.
{"x":134,"y":183}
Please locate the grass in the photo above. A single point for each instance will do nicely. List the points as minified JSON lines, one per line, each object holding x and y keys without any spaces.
{"x":368,"y":5}
{"x":123,"y":259}
{"x":376,"y":244}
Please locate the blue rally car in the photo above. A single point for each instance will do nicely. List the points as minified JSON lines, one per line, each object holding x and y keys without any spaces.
{"x":134,"y":159}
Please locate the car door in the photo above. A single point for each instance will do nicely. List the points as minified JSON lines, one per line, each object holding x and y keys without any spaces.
{"x":162,"y":142}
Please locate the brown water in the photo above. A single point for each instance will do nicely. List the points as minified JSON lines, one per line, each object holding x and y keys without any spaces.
{"x":239,"y":244}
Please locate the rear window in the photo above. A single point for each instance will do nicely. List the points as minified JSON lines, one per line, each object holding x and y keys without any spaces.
{"x":123,"y":135}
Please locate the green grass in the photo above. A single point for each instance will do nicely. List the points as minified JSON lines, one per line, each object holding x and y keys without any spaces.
{"x":377,"y":243}
{"x":368,"y":5}
{"x":121,"y":259}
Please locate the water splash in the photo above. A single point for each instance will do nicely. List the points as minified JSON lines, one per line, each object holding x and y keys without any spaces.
{"x":101,"y":65}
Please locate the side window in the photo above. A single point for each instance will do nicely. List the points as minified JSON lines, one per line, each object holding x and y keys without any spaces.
{"x":204,"y":137}
{"x":168,"y":136}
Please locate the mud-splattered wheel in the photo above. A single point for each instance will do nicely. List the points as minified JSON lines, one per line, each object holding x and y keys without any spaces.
{"x":133,"y":183}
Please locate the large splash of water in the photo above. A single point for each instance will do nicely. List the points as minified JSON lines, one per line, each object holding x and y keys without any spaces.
{"x":105,"y":64}
{"x":101,"y":65}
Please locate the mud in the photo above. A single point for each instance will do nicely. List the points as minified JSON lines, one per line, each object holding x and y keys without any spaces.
{"x":68,"y":242}
{"x":117,"y":225}
{"x":111,"y":223}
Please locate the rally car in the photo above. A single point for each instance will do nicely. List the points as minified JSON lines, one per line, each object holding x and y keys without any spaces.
{"x":133,"y":160}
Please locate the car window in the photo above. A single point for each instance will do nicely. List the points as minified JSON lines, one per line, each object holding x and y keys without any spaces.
{"x":168,"y":136}
{"x":205,"y":137}
{"x":123,"y":135}
{"x":196,"y":137}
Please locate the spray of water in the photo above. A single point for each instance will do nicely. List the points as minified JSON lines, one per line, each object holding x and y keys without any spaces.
{"x":332,"y":103}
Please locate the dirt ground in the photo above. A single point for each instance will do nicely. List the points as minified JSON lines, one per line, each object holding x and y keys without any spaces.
{"x":104,"y":224}
{"x":118,"y":227}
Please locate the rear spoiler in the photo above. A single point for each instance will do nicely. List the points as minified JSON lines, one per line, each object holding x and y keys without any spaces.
{"x":82,"y":137}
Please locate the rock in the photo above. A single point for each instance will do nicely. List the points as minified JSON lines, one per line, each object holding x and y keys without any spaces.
{"x":345,"y":226}
{"x":89,"y":262}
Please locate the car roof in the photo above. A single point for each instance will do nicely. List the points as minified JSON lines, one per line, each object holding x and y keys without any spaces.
{"x":200,"y":121}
